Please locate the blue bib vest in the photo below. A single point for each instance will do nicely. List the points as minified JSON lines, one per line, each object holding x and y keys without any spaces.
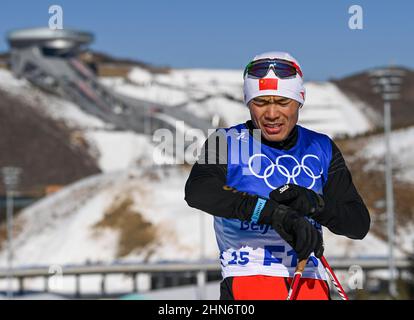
{"x":247,"y":248}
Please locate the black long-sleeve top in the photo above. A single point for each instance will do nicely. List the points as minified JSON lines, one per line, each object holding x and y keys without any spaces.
{"x":344,"y":214}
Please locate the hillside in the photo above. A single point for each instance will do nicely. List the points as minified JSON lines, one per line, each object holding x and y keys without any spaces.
{"x":359,"y":86}
{"x":46,"y":150}
{"x":365,"y":158}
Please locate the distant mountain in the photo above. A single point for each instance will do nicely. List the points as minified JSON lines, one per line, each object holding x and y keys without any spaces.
{"x":107,"y":65}
{"x":359,"y":86}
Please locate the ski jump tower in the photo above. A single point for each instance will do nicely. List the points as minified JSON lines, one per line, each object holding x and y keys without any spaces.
{"x":48,"y":59}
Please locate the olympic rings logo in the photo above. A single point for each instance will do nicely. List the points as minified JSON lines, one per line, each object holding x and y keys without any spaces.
{"x":284,"y":171}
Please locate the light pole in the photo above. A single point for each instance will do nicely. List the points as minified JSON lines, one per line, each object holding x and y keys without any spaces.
{"x":11,"y":181}
{"x":202,"y":275}
{"x":387,"y":82}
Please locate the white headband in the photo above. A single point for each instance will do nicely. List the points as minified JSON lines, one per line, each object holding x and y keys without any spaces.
{"x":292,"y":88}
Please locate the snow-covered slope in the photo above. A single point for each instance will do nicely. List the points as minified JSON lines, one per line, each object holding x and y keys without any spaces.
{"x":402,"y":142}
{"x":53,"y":106}
{"x":372,"y":152}
{"x":219,"y":92}
{"x":113,"y":150}
{"x":59,"y":229}
{"x":327,"y":109}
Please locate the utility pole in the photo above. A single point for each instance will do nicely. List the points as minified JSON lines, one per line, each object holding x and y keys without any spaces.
{"x":387,"y":82}
{"x":11,"y":181}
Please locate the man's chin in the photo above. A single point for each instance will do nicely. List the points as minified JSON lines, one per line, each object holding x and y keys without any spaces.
{"x":274,"y":137}
{"x":277,"y":139}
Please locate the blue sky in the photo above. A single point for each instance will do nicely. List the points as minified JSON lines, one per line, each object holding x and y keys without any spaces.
{"x":227,"y":34}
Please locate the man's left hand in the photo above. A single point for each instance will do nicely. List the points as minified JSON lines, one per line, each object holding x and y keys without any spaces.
{"x":305,"y":201}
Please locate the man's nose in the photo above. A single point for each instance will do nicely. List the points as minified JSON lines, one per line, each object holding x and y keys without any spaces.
{"x":272,"y":111}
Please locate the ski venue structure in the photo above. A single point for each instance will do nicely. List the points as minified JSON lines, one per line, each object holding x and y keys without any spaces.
{"x":48,"y":59}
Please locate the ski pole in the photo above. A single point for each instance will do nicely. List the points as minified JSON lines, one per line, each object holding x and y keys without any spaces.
{"x":334,"y":279}
{"x":296,"y":277}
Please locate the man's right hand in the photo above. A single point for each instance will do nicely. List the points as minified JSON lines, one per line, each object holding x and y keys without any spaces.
{"x":297,"y":231}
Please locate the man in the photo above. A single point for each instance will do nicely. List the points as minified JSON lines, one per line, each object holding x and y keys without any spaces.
{"x":271,"y":192}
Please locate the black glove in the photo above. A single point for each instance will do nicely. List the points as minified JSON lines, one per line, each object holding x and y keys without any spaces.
{"x":295,"y":230}
{"x":305,"y":201}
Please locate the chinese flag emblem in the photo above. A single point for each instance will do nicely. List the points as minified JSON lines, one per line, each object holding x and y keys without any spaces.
{"x":268,"y":84}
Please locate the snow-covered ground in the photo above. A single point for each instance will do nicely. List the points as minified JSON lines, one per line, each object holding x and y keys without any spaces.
{"x":59,"y":228}
{"x":401,"y":142}
{"x":121,"y":149}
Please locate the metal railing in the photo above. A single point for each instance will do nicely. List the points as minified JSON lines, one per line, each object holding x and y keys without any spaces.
{"x":198,"y":272}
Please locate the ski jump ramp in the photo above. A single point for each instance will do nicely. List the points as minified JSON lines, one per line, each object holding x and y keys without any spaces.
{"x":47,"y":58}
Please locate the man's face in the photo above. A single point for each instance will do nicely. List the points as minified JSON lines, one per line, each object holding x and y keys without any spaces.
{"x":275,"y":116}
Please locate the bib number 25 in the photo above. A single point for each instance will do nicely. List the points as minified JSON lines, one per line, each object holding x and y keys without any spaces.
{"x":272,"y":254}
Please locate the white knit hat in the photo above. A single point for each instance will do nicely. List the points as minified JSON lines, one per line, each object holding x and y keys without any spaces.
{"x":292,"y":88}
